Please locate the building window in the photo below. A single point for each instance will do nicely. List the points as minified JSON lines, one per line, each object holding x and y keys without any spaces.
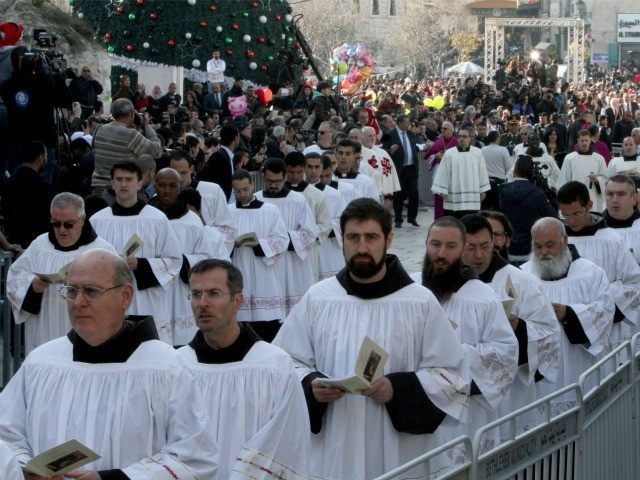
{"x":375,"y":7}
{"x":392,"y":8}
{"x":356,"y":6}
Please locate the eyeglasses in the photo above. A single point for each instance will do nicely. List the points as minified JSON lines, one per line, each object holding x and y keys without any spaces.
{"x":213,"y":295}
{"x":91,"y":293}
{"x":566,"y":218}
{"x":68,"y":225}
{"x":485,"y":247}
{"x":498,"y":235}
{"x":274,"y":182}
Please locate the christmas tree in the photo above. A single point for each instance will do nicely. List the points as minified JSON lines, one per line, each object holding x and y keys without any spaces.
{"x":253,"y":35}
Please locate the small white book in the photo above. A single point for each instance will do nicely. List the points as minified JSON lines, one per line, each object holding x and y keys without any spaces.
{"x":248,"y":240}
{"x":369,"y":367}
{"x":511,"y":293}
{"x":58,"y":277}
{"x":133,"y":246}
{"x":59,"y":460}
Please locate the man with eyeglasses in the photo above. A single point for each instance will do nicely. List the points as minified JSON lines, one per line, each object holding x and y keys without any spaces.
{"x":254,"y":399}
{"x":530,"y":316}
{"x":158,"y":262}
{"x":263,"y":294}
{"x":621,"y":214}
{"x":111,"y":385}
{"x":324,"y":139}
{"x":580,"y":295}
{"x":604,"y":247}
{"x":31,"y":288}
{"x":294,"y":267}
{"x":197,"y":241}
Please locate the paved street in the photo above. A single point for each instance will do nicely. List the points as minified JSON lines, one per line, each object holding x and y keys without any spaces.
{"x":408,"y":241}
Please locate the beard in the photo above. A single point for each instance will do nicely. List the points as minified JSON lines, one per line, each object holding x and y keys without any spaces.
{"x":363,"y":265}
{"x":503,"y":252}
{"x":552,"y":268}
{"x":442,"y":283}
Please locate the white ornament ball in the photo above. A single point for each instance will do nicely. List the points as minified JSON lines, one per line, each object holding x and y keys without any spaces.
{"x":288,"y":17}
{"x":247,"y":38}
{"x":262,"y":19}
{"x":253,"y":65}
{"x":80,"y":15}
{"x":195,"y":63}
{"x":187,"y":35}
{"x":218,"y":29}
{"x":283,"y":36}
{"x":191,"y":2}
{"x":145,"y":45}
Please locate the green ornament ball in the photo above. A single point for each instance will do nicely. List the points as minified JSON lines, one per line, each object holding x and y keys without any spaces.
{"x":245,"y":14}
{"x":72,"y":2}
{"x":132,"y":16}
{"x":110,"y":49}
{"x":270,"y":57}
{"x":228,"y":40}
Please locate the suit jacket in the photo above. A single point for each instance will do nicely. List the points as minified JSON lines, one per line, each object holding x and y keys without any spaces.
{"x":218,"y":170}
{"x":398,"y":155}
{"x":211,"y":103}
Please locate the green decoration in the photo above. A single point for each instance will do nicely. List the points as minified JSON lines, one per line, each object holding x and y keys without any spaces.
{"x":111,"y":49}
{"x":228,"y":40}
{"x":245,"y":14}
{"x":132,"y":17}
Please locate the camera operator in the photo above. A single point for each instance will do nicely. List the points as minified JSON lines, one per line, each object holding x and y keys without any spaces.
{"x":117,"y":140}
{"x":522,"y":202}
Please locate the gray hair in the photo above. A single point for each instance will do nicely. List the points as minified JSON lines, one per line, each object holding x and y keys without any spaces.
{"x":146,"y":163}
{"x":549,"y":222}
{"x":368,"y":130}
{"x":635,"y":131}
{"x":121,"y":108}
{"x":235,"y":282}
{"x":278,"y":131}
{"x":67,"y":199}
{"x":122,"y":274}
{"x":526,"y":128}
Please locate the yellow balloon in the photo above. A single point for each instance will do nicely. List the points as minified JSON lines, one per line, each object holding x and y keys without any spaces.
{"x":365,"y":72}
{"x":428,"y":102}
{"x":438,"y":102}
{"x":342,"y":67}
{"x":407,"y":111}
{"x":374,"y":96}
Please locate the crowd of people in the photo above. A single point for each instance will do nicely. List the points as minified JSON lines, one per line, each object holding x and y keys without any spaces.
{"x":189,"y":279}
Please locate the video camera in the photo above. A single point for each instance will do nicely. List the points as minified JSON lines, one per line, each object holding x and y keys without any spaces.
{"x":539,"y":178}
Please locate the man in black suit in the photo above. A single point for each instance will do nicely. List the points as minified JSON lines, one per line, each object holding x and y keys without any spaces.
{"x":401,"y":145}
{"x":213,"y":102}
{"x":622,"y":128}
{"x":219,"y":167}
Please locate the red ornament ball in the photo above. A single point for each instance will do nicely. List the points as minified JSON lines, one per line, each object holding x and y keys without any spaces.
{"x":250,"y":54}
{"x":171,"y":42}
{"x":254,"y":4}
{"x":264,"y":67}
{"x":139,"y":2}
{"x":119,"y":9}
{"x":278,"y":17}
{"x":213,"y":7}
{"x":203,"y":24}
{"x":261,"y":39}
{"x":235,"y":26}
{"x":108,"y":36}
{"x":228,"y":52}
{"x":129,"y":48}
{"x":154,"y":16}
{"x":297,"y":45}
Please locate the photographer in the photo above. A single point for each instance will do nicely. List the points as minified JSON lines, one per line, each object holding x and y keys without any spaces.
{"x":117,"y":141}
{"x":522,"y":202}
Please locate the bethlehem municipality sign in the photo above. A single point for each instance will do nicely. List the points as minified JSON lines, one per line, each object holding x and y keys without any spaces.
{"x":629,"y":28}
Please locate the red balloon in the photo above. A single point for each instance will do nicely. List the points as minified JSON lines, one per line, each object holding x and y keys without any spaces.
{"x":264,"y":95}
{"x":213,"y":7}
{"x":250,"y":54}
{"x":346,"y":84}
{"x":235,"y":26}
{"x":171,"y":42}
{"x":228,"y":52}
{"x":203,"y":24}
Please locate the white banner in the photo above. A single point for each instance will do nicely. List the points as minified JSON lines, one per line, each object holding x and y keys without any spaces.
{"x":629,"y":28}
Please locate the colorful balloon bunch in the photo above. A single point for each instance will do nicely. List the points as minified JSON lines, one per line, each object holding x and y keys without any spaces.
{"x":351,"y":65}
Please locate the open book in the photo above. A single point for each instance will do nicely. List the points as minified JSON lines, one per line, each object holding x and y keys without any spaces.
{"x":369,"y":367}
{"x":511,"y":293}
{"x":133,"y":246}
{"x":248,"y":240}
{"x":58,"y":277}
{"x":59,"y":460}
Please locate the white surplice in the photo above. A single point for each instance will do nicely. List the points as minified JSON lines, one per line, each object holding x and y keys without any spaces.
{"x":543,"y":337}
{"x":607,"y":250}
{"x":631,"y":237}
{"x":161,"y":249}
{"x":198,"y":242}
{"x":53,"y":319}
{"x":389,"y":176}
{"x":330,"y":256}
{"x":9,"y":467}
{"x":586,"y":290}
{"x":294,"y":268}
{"x":263,"y":294}
{"x":620,"y":165}
{"x":215,"y":211}
{"x":491,"y":351}
{"x":324,"y":333}
{"x":578,"y":167}
{"x":258,"y":413}
{"x":145,"y":416}
{"x":363,"y":185}
{"x":346,"y":190}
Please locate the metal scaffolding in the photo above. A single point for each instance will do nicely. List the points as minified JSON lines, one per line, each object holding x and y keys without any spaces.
{"x":494,"y":42}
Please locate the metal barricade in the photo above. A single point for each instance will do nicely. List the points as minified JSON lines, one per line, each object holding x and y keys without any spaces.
{"x":616,"y":149}
{"x":608,"y":442}
{"x":258,"y":181}
{"x":11,"y":333}
{"x":460,"y":471}
{"x":635,"y":348}
{"x":545,"y":452}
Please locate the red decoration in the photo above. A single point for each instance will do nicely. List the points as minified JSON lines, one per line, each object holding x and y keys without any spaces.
{"x":228,"y":52}
{"x":108,"y":36}
{"x":213,"y":7}
{"x":254,"y":4}
{"x":235,"y":26}
{"x":203,"y":24}
{"x":297,"y":45}
{"x":264,"y":67}
{"x":278,"y":17}
{"x":264,"y":95}
{"x":140,"y":2}
{"x":154,"y":16}
{"x":261,"y":39}
{"x":119,"y":9}
{"x":171,"y":42}
{"x":250,"y":54}
{"x":129,"y":48}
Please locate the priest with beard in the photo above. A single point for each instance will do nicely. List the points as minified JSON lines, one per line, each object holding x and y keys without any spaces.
{"x":604,"y":247}
{"x":197,"y":242}
{"x":425,"y":382}
{"x":621,"y":214}
{"x":479,"y":321}
{"x":501,"y":232}
{"x":34,"y":298}
{"x":580,"y":295}
{"x":529,"y":312}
